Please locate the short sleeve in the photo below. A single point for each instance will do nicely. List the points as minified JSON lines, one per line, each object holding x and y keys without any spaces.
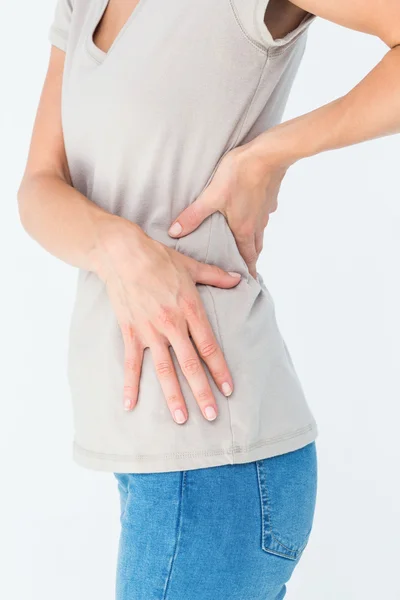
{"x":250,"y":13}
{"x":264,"y":34}
{"x":59,"y":29}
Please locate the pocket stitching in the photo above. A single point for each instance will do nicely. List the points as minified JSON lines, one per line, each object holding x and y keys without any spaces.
{"x":266,"y":519}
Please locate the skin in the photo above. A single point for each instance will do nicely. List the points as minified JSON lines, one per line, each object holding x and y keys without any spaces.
{"x":116,"y":14}
{"x":246,"y":185}
{"x":157,"y":304}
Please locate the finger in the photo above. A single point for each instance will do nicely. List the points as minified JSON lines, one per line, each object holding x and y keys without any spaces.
{"x":210,"y":274}
{"x":193,"y":215}
{"x":169,"y":381}
{"x":259,"y":241}
{"x":247,"y":248}
{"x":193,"y":370}
{"x":132,"y":366}
{"x":207,"y":345}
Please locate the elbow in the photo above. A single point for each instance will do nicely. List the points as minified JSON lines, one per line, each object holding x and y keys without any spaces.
{"x":30,"y":188}
{"x":23,"y":204}
{"x":34,"y":192}
{"x":393,"y":43}
{"x":391,"y":36}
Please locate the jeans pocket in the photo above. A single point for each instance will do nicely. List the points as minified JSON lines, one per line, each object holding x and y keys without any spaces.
{"x":288,"y":486}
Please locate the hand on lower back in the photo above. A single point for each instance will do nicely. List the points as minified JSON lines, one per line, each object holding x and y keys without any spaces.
{"x":152,"y":289}
{"x":244,"y":189}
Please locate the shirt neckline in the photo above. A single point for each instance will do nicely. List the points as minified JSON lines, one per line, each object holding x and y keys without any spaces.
{"x":96,"y":52}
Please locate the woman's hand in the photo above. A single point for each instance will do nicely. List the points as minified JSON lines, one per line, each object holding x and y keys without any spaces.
{"x":152,"y":289}
{"x":244,"y":189}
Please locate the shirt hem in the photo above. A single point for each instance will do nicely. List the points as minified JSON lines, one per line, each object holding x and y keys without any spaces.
{"x":183,"y":461}
{"x":58,"y":38}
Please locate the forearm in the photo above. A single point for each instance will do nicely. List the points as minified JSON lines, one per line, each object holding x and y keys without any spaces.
{"x":66,"y":223}
{"x":370,"y":110}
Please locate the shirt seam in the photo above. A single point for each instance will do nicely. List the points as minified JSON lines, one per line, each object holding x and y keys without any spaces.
{"x":232,"y":145}
{"x":272,"y":48}
{"x":235,"y":449}
{"x":91,"y":46}
{"x":222,"y":348}
{"x":258,"y":47}
{"x":61,"y":32}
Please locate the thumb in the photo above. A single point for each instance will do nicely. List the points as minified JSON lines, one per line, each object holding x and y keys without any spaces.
{"x":192,"y":216}
{"x":211,"y":274}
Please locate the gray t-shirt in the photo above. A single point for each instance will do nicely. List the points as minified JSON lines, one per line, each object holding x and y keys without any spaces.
{"x":145,"y":126}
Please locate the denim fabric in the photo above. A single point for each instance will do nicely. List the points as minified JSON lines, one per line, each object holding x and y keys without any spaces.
{"x":231,"y":532}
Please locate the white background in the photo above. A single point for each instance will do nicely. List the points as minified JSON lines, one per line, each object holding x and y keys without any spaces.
{"x":331,"y":261}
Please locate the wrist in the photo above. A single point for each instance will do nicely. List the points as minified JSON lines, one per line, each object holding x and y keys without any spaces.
{"x":273,"y":148}
{"x":283,"y":145}
{"x":112,"y":236}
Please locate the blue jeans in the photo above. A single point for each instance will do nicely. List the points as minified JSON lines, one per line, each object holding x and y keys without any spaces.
{"x":234,"y":532}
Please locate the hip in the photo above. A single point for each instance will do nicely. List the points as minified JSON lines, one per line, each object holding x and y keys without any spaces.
{"x":266,"y":415}
{"x":217,"y":532}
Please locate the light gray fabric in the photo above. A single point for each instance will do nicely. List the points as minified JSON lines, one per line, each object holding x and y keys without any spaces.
{"x":145,"y":127}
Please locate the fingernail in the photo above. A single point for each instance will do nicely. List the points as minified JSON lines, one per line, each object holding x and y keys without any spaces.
{"x":226,"y":388}
{"x":175,"y":229}
{"x":210,"y":413}
{"x":179,"y":416}
{"x":234,"y":274}
{"x":127,"y":404}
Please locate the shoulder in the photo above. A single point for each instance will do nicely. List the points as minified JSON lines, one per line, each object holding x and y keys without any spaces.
{"x":66,"y":14}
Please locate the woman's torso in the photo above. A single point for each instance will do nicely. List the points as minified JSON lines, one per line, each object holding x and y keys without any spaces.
{"x":145,"y":126}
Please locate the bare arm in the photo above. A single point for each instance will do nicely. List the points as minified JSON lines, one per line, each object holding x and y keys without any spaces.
{"x":370,"y":110}
{"x":56,"y":215}
{"x":246,"y":184}
{"x":152,"y":288}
